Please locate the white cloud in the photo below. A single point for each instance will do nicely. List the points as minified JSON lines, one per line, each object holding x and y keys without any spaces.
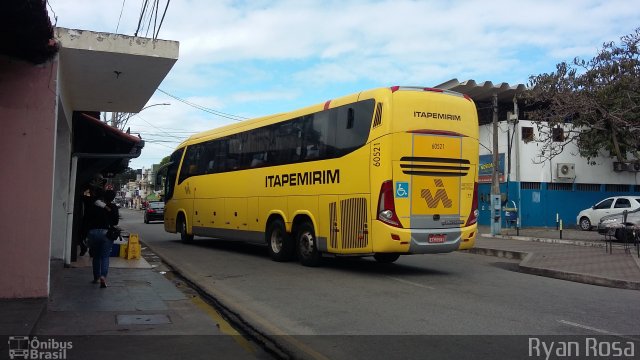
{"x":257,"y":57}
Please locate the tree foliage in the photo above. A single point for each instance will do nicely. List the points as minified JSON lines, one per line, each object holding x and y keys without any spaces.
{"x":595,"y":102}
{"x":164,"y":160}
{"x":124,"y":177}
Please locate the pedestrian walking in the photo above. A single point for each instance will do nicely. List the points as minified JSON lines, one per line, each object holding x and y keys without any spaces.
{"x":101,"y":214}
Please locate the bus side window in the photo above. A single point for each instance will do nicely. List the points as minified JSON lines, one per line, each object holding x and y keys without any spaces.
{"x":258,"y":159}
{"x":190,"y":163}
{"x":316,"y":135}
{"x":172,"y":173}
{"x":353,"y":124}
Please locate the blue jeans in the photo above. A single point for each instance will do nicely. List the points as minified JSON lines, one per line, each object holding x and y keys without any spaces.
{"x":101,"y":249}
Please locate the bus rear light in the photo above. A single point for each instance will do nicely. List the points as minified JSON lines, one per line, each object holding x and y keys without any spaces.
{"x":473,"y":215}
{"x":433,"y":89}
{"x":386,"y":205}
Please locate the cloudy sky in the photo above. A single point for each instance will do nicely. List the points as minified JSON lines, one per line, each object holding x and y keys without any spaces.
{"x":249,"y":58}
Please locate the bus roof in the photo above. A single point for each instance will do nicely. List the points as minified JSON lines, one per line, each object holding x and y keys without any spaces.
{"x":274,"y":118}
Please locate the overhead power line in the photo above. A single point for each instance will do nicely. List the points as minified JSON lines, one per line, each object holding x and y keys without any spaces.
{"x":120,"y":17}
{"x":205,"y":109}
{"x":152,"y":16}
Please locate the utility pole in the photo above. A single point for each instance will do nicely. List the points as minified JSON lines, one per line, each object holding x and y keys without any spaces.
{"x":496,"y":202}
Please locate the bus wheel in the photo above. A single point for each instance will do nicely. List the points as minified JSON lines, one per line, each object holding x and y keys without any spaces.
{"x":307,"y":247}
{"x":279,"y":243}
{"x":184,"y":236}
{"x":386,"y":258}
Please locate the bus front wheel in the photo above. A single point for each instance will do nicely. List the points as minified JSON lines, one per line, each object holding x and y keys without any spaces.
{"x":279,"y":243}
{"x":184,"y":236}
{"x":386,"y":258}
{"x":308,"y":253}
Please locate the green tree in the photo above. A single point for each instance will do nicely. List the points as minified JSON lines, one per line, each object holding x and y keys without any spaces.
{"x":596,"y":103}
{"x":124,"y":177}
{"x":164,"y":160}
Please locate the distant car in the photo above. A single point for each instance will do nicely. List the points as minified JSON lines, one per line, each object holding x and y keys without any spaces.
{"x":590,"y":217}
{"x":154,"y":211}
{"x":617,"y":226}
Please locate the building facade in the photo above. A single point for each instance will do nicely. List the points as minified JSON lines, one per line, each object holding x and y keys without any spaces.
{"x":49,"y":80}
{"x":545,"y":192}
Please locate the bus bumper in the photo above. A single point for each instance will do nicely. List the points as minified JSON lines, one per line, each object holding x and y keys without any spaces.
{"x":421,"y":241}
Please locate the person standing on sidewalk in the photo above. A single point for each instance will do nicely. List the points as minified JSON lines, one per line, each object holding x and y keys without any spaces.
{"x":101,"y":214}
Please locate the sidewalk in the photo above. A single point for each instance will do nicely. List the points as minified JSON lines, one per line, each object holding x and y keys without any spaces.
{"x":580,"y":256}
{"x":166,"y":323}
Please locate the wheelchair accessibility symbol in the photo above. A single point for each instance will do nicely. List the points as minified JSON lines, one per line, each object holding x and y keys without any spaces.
{"x":402,"y":189}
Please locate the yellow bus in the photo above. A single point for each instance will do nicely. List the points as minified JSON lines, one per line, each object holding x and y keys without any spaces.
{"x":382,"y":173}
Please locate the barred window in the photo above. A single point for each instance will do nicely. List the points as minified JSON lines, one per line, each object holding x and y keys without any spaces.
{"x":560,"y":186}
{"x":530,"y":185}
{"x":588,"y":187}
{"x":617,"y":187}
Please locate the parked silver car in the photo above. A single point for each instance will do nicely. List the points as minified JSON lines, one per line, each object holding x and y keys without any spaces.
{"x":619,"y":224}
{"x":590,"y":217}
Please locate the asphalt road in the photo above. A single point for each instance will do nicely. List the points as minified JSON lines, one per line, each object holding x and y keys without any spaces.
{"x":447,"y":295}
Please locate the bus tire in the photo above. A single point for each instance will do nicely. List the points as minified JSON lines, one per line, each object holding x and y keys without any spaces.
{"x":308,"y":253}
{"x":279,"y":243}
{"x":386,"y":258}
{"x":182,"y":227}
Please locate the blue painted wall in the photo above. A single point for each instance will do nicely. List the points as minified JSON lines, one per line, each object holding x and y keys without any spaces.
{"x":539,"y":207}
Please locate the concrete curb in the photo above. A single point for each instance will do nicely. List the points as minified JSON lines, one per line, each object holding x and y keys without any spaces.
{"x":507,"y":254}
{"x":594,"y":243}
{"x":524,"y":267}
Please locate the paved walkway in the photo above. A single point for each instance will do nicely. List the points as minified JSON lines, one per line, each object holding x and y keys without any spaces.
{"x":168,"y":323}
{"x":580,"y":256}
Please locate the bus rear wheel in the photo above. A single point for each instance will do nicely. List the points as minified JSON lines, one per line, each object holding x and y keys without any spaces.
{"x":280,"y":244}
{"x":308,"y":253}
{"x":386,"y":258}
{"x":184,"y":236}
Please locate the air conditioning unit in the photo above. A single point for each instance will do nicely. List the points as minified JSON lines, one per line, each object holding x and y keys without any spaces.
{"x":566,"y":171}
{"x":619,"y":166}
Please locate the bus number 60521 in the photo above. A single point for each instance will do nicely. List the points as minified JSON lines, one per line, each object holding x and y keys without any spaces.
{"x":376,"y":154}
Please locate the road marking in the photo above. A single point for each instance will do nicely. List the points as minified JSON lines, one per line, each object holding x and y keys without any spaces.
{"x":601,"y":331}
{"x":412,"y":283}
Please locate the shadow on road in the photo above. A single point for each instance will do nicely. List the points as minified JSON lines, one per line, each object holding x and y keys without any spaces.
{"x":364,"y":265}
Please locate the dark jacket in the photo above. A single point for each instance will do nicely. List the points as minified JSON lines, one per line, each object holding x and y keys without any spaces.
{"x":99,"y":218}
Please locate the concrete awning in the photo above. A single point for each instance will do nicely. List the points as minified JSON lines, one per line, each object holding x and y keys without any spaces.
{"x":111,"y":72}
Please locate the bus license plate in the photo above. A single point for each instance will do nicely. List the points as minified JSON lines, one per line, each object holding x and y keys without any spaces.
{"x":437,"y":238}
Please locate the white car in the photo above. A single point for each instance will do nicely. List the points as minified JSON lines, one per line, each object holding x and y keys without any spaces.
{"x":590,"y":217}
